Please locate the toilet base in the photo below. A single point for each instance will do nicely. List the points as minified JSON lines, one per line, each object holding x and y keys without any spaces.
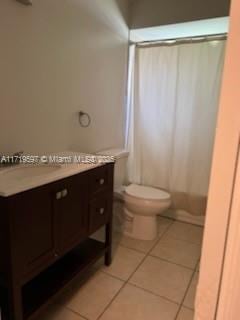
{"x":140,"y":227}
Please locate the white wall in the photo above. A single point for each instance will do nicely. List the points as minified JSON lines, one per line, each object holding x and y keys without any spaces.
{"x":56,"y":58}
{"x":149,"y":13}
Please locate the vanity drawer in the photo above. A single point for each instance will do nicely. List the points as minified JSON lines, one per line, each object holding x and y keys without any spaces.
{"x":100,"y":210}
{"x":101,"y":179}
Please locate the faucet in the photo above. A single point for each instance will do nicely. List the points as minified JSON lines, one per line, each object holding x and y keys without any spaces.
{"x":12,"y":160}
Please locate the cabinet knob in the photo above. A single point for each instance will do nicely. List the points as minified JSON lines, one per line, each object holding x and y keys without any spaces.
{"x":101,"y":211}
{"x":64,"y":193}
{"x":56,"y":255}
{"x":59,"y":195}
{"x":101,"y":181}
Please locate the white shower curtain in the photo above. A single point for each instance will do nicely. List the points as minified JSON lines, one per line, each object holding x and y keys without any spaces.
{"x":172,"y":119}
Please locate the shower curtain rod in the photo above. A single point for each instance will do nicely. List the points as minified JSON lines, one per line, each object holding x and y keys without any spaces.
{"x":172,"y":42}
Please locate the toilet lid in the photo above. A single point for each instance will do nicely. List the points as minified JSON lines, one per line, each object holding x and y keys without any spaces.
{"x":146,"y":192}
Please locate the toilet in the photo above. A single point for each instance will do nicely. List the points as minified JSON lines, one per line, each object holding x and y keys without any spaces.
{"x":142,"y":204}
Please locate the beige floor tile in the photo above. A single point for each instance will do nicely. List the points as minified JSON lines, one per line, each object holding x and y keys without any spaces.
{"x":90,"y":299}
{"x":125,"y":261}
{"x":191,"y":294}
{"x":56,"y":312}
{"x":162,"y":278}
{"x":139,"y":245}
{"x":136,"y":304}
{"x":185,"y":314}
{"x":163,"y":225}
{"x":181,"y":252}
{"x":142,"y":246}
{"x":185,"y":232}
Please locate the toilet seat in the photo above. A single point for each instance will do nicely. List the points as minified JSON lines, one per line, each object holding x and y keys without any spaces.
{"x":146,"y":193}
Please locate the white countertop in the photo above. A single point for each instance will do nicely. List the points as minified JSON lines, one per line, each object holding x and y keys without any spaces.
{"x":11,"y":185}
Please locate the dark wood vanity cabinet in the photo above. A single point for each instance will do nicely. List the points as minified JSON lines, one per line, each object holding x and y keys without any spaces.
{"x":70,"y":213}
{"x":45,"y":239}
{"x":31,"y":225}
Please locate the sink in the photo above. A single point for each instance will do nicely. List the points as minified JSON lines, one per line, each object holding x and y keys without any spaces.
{"x":23,"y":177}
{"x":29,"y":171}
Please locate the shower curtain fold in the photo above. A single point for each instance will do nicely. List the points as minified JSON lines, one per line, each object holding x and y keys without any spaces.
{"x":173,"y":104}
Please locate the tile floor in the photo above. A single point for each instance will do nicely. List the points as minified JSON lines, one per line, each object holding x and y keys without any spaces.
{"x":153,"y":280}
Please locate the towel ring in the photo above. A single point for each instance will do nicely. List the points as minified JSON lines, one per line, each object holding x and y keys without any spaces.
{"x":83,"y":115}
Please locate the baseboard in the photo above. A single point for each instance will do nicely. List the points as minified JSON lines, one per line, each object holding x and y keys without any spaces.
{"x":181,"y":215}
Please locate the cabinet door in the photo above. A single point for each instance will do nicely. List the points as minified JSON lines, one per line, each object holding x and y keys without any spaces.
{"x":32,"y":230}
{"x":70,"y":210}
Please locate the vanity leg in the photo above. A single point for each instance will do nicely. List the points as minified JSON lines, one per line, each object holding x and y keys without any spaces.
{"x":108,"y":254}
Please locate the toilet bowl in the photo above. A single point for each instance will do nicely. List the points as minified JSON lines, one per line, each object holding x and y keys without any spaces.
{"x":142,"y":205}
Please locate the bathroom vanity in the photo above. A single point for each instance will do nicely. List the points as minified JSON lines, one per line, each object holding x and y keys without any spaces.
{"x":45,"y":238}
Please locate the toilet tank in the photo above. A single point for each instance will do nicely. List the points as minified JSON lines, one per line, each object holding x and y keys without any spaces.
{"x":120,"y":172}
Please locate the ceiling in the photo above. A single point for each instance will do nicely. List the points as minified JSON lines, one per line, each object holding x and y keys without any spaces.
{"x":181,"y":30}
